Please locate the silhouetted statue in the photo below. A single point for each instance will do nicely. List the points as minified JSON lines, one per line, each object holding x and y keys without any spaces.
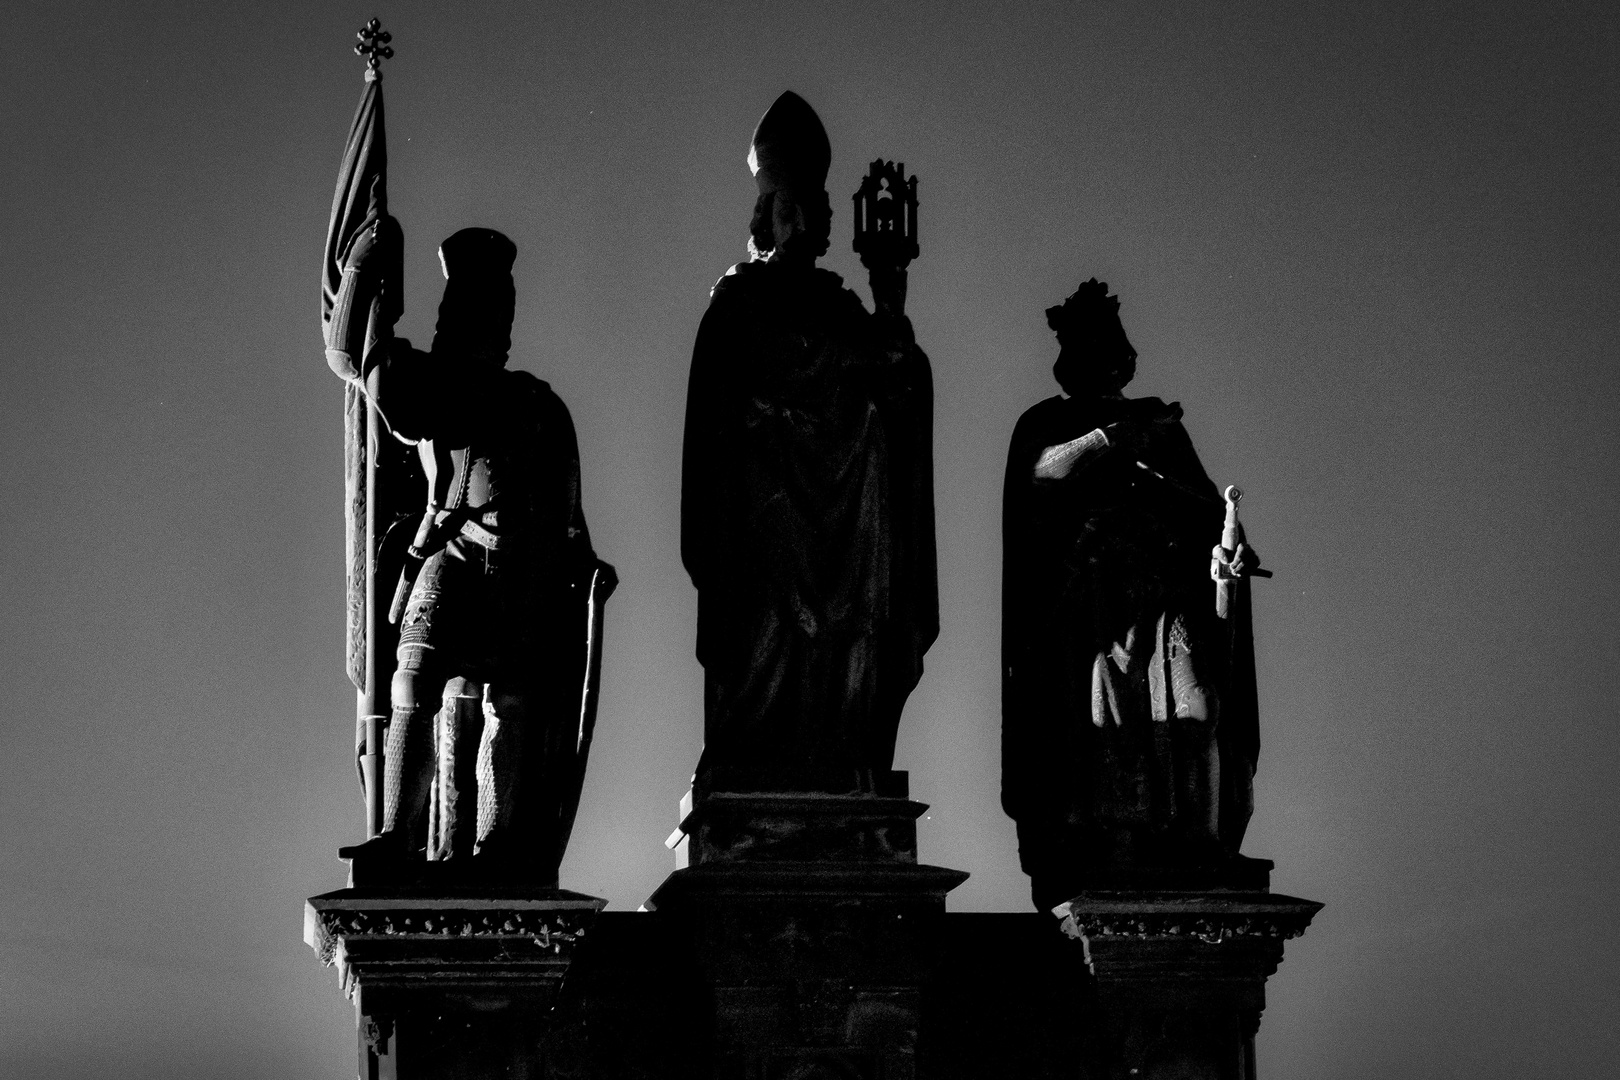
{"x":499,"y":597}
{"x":1128,"y":703}
{"x":807,"y":515}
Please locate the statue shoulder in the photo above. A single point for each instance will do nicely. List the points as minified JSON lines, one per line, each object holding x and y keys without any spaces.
{"x":532,"y":393}
{"x":738,"y":280}
{"x":1043,"y":418}
{"x":1146,"y":406}
{"x":752,"y":280}
{"x":834,"y":283}
{"x":822,"y":287}
{"x":527,"y":384}
{"x":1165,"y":416}
{"x":534,"y":407}
{"x":1043,"y":411}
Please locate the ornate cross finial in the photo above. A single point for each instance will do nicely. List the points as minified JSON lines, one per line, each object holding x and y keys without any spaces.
{"x":373,"y":45}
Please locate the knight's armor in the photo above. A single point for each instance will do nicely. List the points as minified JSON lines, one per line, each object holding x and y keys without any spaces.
{"x":492,"y":627}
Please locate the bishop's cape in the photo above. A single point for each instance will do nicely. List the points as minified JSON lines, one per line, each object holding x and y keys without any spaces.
{"x":807,"y":525}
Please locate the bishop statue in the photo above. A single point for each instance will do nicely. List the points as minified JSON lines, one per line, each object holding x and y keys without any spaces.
{"x":807,"y":508}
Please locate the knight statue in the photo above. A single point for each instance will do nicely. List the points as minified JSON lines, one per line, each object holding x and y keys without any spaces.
{"x":474,"y":738}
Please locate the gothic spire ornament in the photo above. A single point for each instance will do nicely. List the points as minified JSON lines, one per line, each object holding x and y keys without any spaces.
{"x":886,"y":217}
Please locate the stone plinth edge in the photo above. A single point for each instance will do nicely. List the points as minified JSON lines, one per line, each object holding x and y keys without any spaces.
{"x":409,"y":938}
{"x":1176,"y":943}
{"x":1207,"y":917}
{"x":753,"y":827}
{"x":804,"y":883}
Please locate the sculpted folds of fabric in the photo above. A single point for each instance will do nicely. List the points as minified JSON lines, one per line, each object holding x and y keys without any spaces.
{"x":807,"y":525}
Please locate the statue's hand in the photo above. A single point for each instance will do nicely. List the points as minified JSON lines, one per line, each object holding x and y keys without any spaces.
{"x":1244,"y":561}
{"x":371,"y":274}
{"x":888,"y":289}
{"x":1135,"y":435}
{"x":1128,"y":435}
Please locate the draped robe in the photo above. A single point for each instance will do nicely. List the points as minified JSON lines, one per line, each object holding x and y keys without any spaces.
{"x":1113,"y":662}
{"x":807,"y":525}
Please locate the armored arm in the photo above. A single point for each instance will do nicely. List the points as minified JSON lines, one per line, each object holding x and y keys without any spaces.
{"x":1136,"y":435}
{"x":1059,"y":461}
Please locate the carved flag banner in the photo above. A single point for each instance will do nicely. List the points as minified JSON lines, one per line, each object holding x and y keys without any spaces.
{"x":361,"y":274}
{"x":360,"y":271}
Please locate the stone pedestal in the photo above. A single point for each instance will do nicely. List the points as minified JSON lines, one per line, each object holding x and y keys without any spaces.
{"x":734,"y":829}
{"x":457,"y":986}
{"x":1179,"y":977}
{"x":812,"y":927}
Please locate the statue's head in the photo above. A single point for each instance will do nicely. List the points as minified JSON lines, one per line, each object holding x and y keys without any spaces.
{"x":1094,"y":355}
{"x":475,"y":316}
{"x":789,"y":157}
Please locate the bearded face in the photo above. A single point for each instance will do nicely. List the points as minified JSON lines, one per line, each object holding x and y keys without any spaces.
{"x":1089,"y":366}
{"x":792,"y":227}
{"x":475,"y":315}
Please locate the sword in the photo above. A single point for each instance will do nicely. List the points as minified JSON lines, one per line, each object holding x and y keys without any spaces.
{"x":1221,"y":569}
{"x":603,"y":581}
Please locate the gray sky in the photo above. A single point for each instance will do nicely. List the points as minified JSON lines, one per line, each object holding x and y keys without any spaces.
{"x":1369,"y":247}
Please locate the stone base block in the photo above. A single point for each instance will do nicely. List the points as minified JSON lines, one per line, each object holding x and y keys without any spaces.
{"x":812,"y":968}
{"x":451,"y":986}
{"x":812,"y":929}
{"x":1179,"y":978}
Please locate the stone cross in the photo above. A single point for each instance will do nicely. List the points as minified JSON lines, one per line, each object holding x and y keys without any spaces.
{"x":373,"y":45}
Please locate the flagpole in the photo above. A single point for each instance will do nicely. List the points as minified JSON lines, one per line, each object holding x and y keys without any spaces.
{"x":372,"y":44}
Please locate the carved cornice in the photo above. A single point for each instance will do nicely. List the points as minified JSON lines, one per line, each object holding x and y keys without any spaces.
{"x":1228,"y":943}
{"x":446,"y":938}
{"x":547,"y":930}
{"x":1209,"y":917}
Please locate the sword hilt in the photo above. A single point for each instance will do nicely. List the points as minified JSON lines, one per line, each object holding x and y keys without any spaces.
{"x":1229,"y":531}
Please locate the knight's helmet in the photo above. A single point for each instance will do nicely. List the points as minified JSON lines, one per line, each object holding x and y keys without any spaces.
{"x":475,"y":316}
{"x":790,"y":148}
{"x":1092,"y":337}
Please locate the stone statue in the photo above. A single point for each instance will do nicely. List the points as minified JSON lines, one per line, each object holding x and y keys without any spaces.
{"x":807,"y":512}
{"x":495,"y":626}
{"x":499,"y":593}
{"x":1128,"y":702}
{"x":497,"y":614}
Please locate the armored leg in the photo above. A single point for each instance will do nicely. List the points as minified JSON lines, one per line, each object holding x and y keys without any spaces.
{"x":460,"y":724}
{"x":500,"y":767}
{"x":419,"y":678}
{"x":409,"y":773}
